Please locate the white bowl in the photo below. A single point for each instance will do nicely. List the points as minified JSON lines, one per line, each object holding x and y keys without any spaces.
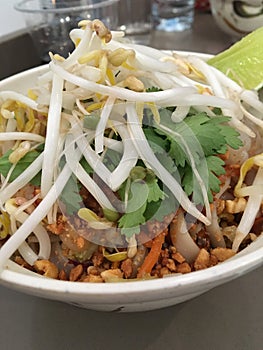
{"x":127,"y":296}
{"x":237,"y":18}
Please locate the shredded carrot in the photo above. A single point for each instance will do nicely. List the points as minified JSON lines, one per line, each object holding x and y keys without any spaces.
{"x":148,"y":244}
{"x":152,"y":258}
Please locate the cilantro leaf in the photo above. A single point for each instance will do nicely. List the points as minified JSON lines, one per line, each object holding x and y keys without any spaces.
{"x":207,"y":132}
{"x":133,"y":219}
{"x":231,"y":136}
{"x":160,"y":146}
{"x":177,"y":152}
{"x":161,"y":208}
{"x":91,"y":121}
{"x":155,"y":193}
{"x":134,"y":215}
{"x":70,"y":196}
{"x":143,"y":196}
{"x":111,"y":159}
{"x":157,"y":142}
{"x":130,"y":231}
{"x":21,"y":165}
{"x":86,"y":166}
{"x":214,"y":167}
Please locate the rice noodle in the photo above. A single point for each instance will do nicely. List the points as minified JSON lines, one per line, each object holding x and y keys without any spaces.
{"x":182,"y":239}
{"x":250,"y":213}
{"x":215,"y":231}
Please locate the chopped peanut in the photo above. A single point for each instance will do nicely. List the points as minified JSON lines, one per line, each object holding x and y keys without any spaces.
{"x":76,"y":272}
{"x":164,"y":271}
{"x":213,"y":260}
{"x":92,"y":279}
{"x":235,"y":206}
{"x":92,"y":270}
{"x":178,"y":257}
{"x":171,"y":265}
{"x":127,"y":267}
{"x":220,"y":206}
{"x":47,"y":268}
{"x":97,"y":258}
{"x":183,"y":268}
{"x":62,"y":275}
{"x":222,"y":253}
{"x":111,"y":275}
{"x":203,"y":260}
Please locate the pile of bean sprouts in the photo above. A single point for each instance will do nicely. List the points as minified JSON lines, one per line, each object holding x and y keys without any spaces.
{"x":115,"y":74}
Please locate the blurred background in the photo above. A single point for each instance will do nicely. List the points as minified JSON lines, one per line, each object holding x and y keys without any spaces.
{"x":21,"y":54}
{"x":12,"y":22}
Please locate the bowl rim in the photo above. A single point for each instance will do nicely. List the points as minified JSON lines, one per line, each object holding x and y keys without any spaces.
{"x":227,"y":270}
{"x":208,"y":278}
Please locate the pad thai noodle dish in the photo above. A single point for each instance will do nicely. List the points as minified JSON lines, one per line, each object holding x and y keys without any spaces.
{"x":123,"y":163}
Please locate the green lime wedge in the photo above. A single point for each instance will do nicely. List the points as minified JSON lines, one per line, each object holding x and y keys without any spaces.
{"x":243,"y":61}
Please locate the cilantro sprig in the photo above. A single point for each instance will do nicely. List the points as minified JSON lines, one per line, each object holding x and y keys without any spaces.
{"x":206,"y":137}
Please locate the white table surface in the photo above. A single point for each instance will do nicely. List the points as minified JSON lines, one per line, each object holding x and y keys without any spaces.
{"x":227,"y":317}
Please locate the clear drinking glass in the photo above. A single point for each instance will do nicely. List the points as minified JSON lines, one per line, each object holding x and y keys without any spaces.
{"x":172,"y":15}
{"x":135,"y":20}
{"x":50,"y":21}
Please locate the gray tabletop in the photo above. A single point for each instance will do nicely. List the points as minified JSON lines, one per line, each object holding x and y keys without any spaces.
{"x":227,"y":317}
